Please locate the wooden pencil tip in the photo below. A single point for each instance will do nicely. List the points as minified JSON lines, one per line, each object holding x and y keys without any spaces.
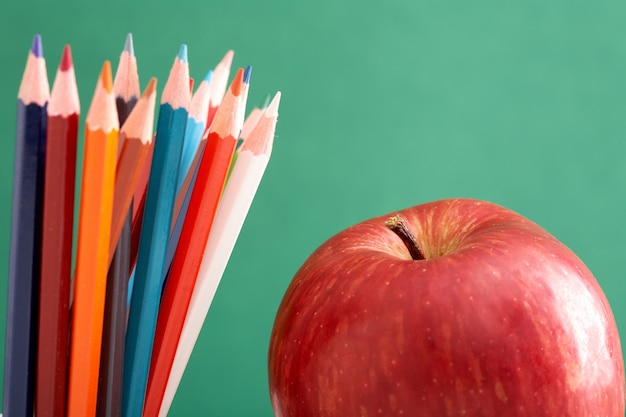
{"x":150,"y":88}
{"x":182,"y":53}
{"x":66,"y":59}
{"x":272,"y":109}
{"x":236,"y":85}
{"x":246,"y":74}
{"x":228,"y":57}
{"x":128,"y":46}
{"x":106,"y":77}
{"x":37,"y":48}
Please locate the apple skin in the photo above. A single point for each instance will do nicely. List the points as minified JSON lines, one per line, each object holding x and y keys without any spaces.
{"x":500,"y":319}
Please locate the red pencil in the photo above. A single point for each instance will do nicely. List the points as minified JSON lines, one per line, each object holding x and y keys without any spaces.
{"x":56,"y":245}
{"x":211,"y":177}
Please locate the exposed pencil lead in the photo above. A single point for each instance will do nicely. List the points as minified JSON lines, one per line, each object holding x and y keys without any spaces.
{"x":208,"y":76}
{"x":106,"y":77}
{"x":272,"y":109}
{"x":128,"y":46}
{"x":246,"y":74}
{"x":66,"y":59}
{"x":37,"y":48}
{"x":266,"y":102}
{"x":237,"y":82}
{"x":182,"y":53}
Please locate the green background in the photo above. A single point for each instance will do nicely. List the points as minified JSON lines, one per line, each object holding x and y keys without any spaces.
{"x":385,"y":105}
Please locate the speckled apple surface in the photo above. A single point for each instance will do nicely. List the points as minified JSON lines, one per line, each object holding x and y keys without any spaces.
{"x":499,"y":319}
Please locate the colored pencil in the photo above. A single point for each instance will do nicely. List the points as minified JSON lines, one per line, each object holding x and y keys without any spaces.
{"x":240,"y":139}
{"x":109,"y":401}
{"x":137,"y":139}
{"x":92,"y":252}
{"x":232,"y":211}
{"x":181,"y":214}
{"x":196,"y":124}
{"x":251,"y":120}
{"x":126,"y":89}
{"x":199,"y":218}
{"x":24,"y":258}
{"x":244,"y":93}
{"x":126,"y":83}
{"x":139,"y":202}
{"x":136,"y":119}
{"x":219,"y":83}
{"x":56,"y":241}
{"x":183,"y":194}
{"x":155,"y":230}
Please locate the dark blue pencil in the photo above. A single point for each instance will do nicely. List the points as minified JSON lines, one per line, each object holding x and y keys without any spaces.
{"x":25,"y":253}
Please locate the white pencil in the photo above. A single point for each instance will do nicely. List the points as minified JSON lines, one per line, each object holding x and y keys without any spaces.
{"x":231,"y":214}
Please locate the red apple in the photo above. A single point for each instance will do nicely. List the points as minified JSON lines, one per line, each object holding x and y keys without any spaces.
{"x":487,"y":314}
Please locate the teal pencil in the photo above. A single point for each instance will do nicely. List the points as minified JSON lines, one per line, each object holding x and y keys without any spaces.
{"x":155,"y":231}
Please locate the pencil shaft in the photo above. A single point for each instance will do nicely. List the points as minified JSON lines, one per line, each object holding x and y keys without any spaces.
{"x":91,"y":270}
{"x":228,"y":223}
{"x":187,"y":259}
{"x":231,"y":213}
{"x":139,"y":203}
{"x":109,"y":402}
{"x":134,"y":151}
{"x":56,"y":263}
{"x":114,"y":328}
{"x":24,"y":261}
{"x":184,"y":191}
{"x":181,"y":213}
{"x":155,"y":229}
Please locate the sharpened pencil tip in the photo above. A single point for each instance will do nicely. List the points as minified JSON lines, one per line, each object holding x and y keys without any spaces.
{"x":66,"y":59}
{"x":236,"y":85}
{"x":208,"y":76}
{"x":128,"y":46}
{"x":151,"y":87}
{"x":106,"y":77}
{"x":246,"y":74}
{"x":228,"y":59}
{"x":182,"y":53}
{"x":272,"y":109}
{"x":37,"y":48}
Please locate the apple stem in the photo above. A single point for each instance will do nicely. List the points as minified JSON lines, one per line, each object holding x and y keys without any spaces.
{"x":397,"y":225}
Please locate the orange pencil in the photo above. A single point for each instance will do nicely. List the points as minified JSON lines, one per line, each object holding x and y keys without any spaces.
{"x":94,"y":223}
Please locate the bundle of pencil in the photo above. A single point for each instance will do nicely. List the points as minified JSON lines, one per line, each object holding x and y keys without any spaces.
{"x":159,"y":214}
